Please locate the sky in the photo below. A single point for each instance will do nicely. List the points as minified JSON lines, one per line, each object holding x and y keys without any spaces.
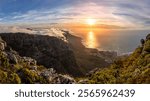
{"x":120,"y":13}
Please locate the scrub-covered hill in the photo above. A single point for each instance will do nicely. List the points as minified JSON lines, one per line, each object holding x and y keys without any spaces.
{"x":133,"y":69}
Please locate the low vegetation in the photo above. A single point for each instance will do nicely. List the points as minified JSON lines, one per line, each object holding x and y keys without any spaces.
{"x":133,"y":69}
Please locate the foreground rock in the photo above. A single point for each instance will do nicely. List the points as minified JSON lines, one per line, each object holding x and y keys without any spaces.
{"x":55,"y":78}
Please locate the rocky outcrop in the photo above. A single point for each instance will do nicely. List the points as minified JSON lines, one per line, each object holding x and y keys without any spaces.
{"x":47,"y":50}
{"x":29,"y":60}
{"x":17,"y":69}
{"x":55,"y":78}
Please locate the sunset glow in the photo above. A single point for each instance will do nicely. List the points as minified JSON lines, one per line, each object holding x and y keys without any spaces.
{"x":74,"y":42}
{"x":91,"y":21}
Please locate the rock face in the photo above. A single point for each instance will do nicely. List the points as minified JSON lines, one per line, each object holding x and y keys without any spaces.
{"x":47,"y":50}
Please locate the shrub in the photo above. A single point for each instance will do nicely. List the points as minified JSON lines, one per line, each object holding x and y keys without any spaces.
{"x":3,"y":60}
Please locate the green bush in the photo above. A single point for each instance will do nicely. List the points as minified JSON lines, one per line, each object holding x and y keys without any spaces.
{"x":3,"y":60}
{"x":134,"y":69}
{"x":6,"y":77}
{"x":147,"y":46}
{"x":3,"y":76}
{"x":31,"y":77}
{"x":14,"y":78}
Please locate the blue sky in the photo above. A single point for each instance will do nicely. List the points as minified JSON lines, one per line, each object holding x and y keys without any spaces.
{"x":133,"y":13}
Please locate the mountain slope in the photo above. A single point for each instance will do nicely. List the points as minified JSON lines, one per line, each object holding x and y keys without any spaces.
{"x":47,"y":50}
{"x":87,"y":58}
{"x":133,"y":69}
{"x":17,"y":69}
{"x":67,"y":54}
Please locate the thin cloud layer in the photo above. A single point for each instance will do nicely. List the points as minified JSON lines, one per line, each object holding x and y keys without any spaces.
{"x":134,"y":13}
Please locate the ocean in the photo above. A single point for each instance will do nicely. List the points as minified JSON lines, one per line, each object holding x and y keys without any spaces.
{"x":121,"y":41}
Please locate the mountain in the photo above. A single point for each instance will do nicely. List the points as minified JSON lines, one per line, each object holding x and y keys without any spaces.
{"x":88,"y":58}
{"x":60,"y":57}
{"x":16,"y":69}
{"x":56,"y":48}
{"x":47,"y":50}
{"x":134,"y":69}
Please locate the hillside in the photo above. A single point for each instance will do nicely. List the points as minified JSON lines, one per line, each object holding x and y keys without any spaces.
{"x":63,"y":58}
{"x":16,"y":69}
{"x":133,"y":69}
{"x":67,"y":54}
{"x":88,"y":58}
{"x":47,"y":50}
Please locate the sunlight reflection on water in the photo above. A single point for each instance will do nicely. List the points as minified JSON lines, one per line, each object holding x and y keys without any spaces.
{"x":91,"y":40}
{"x":122,"y":41}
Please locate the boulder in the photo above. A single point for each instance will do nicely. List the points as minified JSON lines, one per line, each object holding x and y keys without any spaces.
{"x":55,"y":78}
{"x":12,"y":58}
{"x":49,"y":74}
{"x":29,"y":61}
{"x":84,"y":81}
{"x":63,"y":79}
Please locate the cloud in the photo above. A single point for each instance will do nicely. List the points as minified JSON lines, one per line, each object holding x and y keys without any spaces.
{"x":117,"y":12}
{"x":104,"y":26}
{"x":147,"y":22}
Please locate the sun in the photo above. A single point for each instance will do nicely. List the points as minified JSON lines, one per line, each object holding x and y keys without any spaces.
{"x":91,"y":21}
